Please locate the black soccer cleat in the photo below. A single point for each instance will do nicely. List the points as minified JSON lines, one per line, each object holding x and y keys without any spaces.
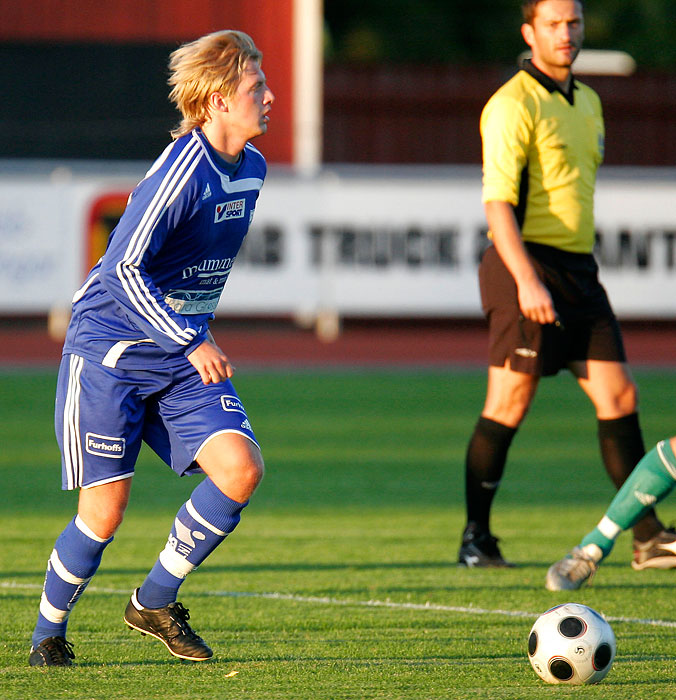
{"x":170,"y":626}
{"x":53,"y":651}
{"x":480,"y":549}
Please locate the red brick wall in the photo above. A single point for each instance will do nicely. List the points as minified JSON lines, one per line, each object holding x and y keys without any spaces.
{"x":430,"y":114}
{"x":151,"y":21}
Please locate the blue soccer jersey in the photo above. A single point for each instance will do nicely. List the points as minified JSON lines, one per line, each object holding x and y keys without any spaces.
{"x":150,"y":297}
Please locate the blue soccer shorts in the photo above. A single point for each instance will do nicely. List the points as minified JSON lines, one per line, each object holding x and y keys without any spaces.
{"x":103,"y":415}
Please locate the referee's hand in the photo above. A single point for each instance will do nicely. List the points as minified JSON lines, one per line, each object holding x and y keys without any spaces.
{"x":536,"y":303}
{"x":211,"y":363}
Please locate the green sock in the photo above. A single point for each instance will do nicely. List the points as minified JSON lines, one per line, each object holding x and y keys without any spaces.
{"x":653,"y":478}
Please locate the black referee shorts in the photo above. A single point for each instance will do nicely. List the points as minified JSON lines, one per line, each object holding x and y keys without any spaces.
{"x":587,"y":328}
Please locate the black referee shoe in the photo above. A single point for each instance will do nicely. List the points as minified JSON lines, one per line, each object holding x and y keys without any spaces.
{"x":480,"y":549}
{"x":53,"y":651}
{"x":170,"y":626}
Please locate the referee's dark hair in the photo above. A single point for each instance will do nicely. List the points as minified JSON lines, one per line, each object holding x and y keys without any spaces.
{"x":528,"y":9}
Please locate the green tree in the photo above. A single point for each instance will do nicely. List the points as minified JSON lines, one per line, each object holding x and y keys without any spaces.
{"x":487,"y":31}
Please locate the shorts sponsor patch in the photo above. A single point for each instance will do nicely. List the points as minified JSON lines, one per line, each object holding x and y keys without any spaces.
{"x":105,"y":446}
{"x":232,"y":403}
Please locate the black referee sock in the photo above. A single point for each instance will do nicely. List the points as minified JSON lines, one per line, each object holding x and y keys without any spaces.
{"x":484,"y":465}
{"x":622,"y":447}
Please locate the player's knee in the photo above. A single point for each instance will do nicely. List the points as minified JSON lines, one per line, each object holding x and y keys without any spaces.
{"x":254,"y":476}
{"x":102,"y":507}
{"x":508,"y":409}
{"x":103,"y":524}
{"x":626,"y":399}
{"x":509,"y":396}
{"x":241,"y":465}
{"x":251,"y":470}
{"x":633,"y":397}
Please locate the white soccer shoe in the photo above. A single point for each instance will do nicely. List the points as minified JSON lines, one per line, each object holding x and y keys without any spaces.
{"x":569,"y":573}
{"x":657,"y":553}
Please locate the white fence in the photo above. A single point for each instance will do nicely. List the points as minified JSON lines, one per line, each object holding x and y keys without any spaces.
{"x":352,"y":241}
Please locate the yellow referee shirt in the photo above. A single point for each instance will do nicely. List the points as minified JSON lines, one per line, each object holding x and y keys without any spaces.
{"x":541,"y":151}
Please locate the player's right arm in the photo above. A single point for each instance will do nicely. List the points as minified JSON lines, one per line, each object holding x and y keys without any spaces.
{"x":535,"y":301}
{"x":211,"y":362}
{"x":155,"y":209}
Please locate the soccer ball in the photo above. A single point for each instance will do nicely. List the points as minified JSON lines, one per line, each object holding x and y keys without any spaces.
{"x":571,"y":644}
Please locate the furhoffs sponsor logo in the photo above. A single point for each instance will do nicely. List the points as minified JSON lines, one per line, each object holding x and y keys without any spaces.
{"x":232,"y":403}
{"x":105,"y":446}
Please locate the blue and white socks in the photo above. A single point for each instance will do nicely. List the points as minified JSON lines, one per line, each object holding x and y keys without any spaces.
{"x":74,"y":560}
{"x":201,"y":524}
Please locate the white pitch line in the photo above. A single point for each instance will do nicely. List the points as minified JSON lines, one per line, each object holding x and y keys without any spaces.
{"x":320,"y":600}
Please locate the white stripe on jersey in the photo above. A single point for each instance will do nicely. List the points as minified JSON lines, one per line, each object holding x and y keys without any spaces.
{"x":81,"y":292}
{"x":72,"y":449}
{"x":159,"y":161}
{"x":115,"y":352}
{"x":130,"y":277}
{"x":127,"y":269}
{"x":245,"y":185}
{"x":138,"y":241}
{"x":250,"y":147}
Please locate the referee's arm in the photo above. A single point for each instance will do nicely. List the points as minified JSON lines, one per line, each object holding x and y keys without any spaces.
{"x":535,"y":301}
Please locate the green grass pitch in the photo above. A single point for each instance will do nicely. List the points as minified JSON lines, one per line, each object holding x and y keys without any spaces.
{"x":341,"y":580}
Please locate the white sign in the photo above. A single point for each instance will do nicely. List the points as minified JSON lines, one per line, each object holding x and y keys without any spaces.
{"x":354,"y":241}
{"x":34,"y":240}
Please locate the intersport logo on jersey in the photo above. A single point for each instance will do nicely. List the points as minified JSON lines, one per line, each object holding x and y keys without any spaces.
{"x":230,"y":210}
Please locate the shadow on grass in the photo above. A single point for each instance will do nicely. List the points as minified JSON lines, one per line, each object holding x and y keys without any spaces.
{"x":296,"y":567}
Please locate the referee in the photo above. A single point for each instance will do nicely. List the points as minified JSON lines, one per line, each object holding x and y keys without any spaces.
{"x":543,"y":138}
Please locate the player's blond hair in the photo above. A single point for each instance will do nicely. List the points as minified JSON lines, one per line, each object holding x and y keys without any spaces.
{"x":212,"y":63}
